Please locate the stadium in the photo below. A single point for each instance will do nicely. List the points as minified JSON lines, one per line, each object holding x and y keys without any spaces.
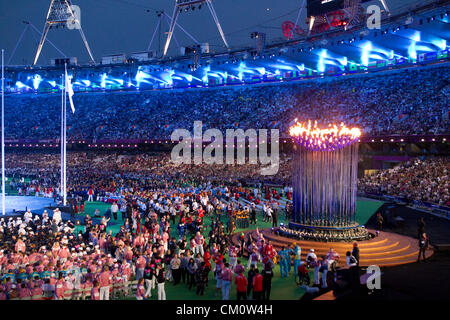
{"x":245,"y":152}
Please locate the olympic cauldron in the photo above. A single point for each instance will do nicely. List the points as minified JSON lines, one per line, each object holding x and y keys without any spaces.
{"x":325,"y":182}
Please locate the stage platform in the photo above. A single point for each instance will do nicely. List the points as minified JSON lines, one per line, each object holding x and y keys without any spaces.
{"x":16,"y":204}
{"x":386,"y":250}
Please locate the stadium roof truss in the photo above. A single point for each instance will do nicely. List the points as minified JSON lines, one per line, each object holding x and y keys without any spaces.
{"x":61,"y":13}
{"x":182,"y":4}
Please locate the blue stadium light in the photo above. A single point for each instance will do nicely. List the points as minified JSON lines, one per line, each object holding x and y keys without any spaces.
{"x":376,"y":56}
{"x":36,"y":81}
{"x":391,"y":54}
{"x":185,"y":76}
{"x":149,"y":76}
{"x":242,"y":66}
{"x":321,"y":64}
{"x":367,"y":48}
{"x":262,"y":70}
{"x":412,"y":50}
{"x":21,"y":85}
{"x":441,"y":43}
{"x":208,"y":73}
{"x":424,"y":48}
{"x":141,"y":75}
{"x":103,"y":82}
{"x":215,"y":75}
{"x":284,"y":66}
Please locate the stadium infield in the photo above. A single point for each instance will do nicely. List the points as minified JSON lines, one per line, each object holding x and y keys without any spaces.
{"x":282,"y":288}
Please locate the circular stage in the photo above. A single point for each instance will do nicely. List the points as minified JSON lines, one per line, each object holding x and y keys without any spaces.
{"x":350,"y":232}
{"x":388,"y":249}
{"x":21,"y":203}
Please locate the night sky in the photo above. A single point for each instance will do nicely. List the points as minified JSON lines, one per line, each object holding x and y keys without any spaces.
{"x":126,"y":26}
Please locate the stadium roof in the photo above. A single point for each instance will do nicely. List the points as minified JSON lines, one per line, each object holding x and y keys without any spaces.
{"x":418,"y":36}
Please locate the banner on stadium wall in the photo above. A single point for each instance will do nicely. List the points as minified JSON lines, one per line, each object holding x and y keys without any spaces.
{"x":212,"y":82}
{"x":435,"y":208}
{"x":307,"y":73}
{"x":273,"y":77}
{"x":253,"y":79}
{"x":372,"y":65}
{"x":47,"y":90}
{"x":292,"y":75}
{"x":412,"y":60}
{"x":430,"y":56}
{"x":335,"y":70}
{"x":442,"y":54}
{"x":381,"y":64}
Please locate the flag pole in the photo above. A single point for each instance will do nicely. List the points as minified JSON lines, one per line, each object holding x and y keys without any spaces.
{"x":65,"y":136}
{"x":62,"y":139}
{"x":3,"y":132}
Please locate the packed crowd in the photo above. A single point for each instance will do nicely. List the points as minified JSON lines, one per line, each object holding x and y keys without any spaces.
{"x":100,"y":169}
{"x":423,"y":180}
{"x":409,"y":101}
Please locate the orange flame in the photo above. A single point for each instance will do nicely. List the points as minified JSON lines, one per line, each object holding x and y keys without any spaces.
{"x":316,"y":137}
